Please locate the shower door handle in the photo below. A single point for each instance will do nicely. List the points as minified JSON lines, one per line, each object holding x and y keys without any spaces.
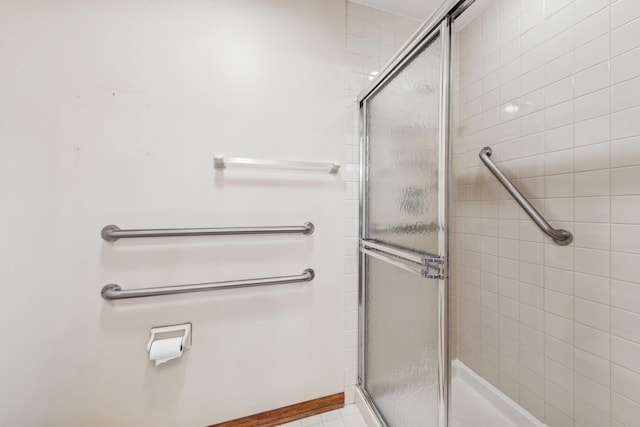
{"x":428,"y":266}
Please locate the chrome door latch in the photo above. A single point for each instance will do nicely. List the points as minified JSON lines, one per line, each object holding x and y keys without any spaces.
{"x":437,"y":265}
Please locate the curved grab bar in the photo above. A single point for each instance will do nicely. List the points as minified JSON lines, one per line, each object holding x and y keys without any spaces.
{"x":112,"y":233}
{"x":113,"y":291}
{"x":561,"y":237}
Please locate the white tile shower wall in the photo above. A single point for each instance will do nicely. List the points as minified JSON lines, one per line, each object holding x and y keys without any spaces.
{"x":552,"y":87}
{"x":373,"y":36}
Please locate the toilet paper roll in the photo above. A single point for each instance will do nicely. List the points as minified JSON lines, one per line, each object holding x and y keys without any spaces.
{"x":164,"y":350}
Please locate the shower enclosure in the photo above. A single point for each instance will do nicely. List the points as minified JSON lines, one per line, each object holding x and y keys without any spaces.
{"x":473,"y":335}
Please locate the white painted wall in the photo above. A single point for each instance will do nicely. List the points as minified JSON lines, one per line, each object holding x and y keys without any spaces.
{"x":110,"y":112}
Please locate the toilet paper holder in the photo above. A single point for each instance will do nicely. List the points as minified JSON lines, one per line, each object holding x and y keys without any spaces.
{"x":186,"y":334}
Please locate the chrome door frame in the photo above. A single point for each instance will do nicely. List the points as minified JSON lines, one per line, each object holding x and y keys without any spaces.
{"x":439,"y":24}
{"x":443,"y":215}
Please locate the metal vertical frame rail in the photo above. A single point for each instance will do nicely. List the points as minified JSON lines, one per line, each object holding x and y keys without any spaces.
{"x":361,"y":236}
{"x":443,"y":212}
{"x":362,"y":267}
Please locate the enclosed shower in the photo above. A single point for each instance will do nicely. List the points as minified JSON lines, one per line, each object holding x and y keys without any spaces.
{"x":494,"y":197}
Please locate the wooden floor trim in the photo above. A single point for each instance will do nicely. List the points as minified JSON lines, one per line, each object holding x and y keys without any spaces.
{"x":288,"y":413}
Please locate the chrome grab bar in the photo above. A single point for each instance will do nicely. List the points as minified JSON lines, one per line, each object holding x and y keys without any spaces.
{"x":113,"y":292}
{"x":112,"y":233}
{"x":561,"y":237}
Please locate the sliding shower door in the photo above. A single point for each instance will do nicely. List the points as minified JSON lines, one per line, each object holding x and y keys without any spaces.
{"x":403,"y":242}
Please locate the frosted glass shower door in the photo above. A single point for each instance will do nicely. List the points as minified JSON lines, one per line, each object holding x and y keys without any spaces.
{"x":403,"y":243}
